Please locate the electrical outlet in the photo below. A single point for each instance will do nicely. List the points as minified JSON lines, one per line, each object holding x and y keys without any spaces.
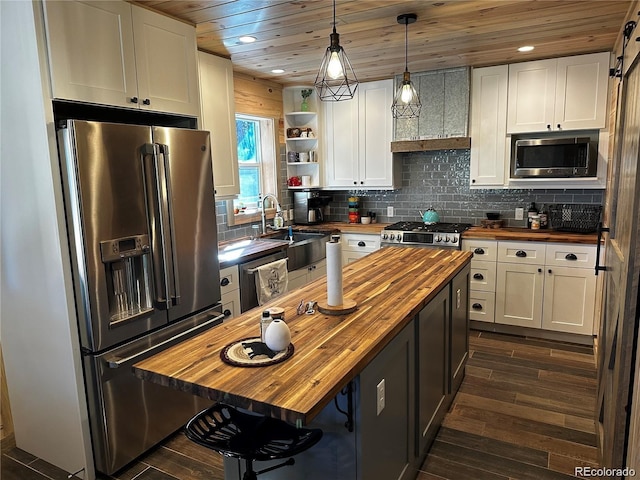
{"x":285,"y":215}
{"x":380,"y":397}
{"x":519,"y":213}
{"x":389,"y":211}
{"x":291,"y":214}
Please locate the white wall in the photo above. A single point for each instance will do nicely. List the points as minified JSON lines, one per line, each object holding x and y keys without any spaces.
{"x":38,"y":326}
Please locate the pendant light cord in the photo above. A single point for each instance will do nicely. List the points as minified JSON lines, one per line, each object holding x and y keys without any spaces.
{"x":334,"y":16}
{"x":406,"y":44}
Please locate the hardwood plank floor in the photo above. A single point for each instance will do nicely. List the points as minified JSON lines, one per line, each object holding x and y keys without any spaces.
{"x":525,"y":410}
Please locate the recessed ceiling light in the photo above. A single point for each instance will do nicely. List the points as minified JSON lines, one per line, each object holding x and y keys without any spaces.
{"x":526,"y":48}
{"x":247,"y":39}
{"x":277,"y":70}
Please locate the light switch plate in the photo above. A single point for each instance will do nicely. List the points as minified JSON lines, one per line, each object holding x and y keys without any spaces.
{"x":519,"y":213}
{"x":380,"y":397}
{"x":390,"y":211}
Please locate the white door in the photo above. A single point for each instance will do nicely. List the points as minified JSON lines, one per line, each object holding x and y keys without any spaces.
{"x":341,"y":142}
{"x":519,"y":295}
{"x":568,"y":304}
{"x":489,"y":125}
{"x":375,"y":134}
{"x":532,"y":96}
{"x":166,"y":63}
{"x":76,"y":32}
{"x":581,"y":92}
{"x":218,"y":116}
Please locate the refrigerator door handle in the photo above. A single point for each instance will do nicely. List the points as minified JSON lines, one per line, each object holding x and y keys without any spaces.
{"x":175,"y":286}
{"x":170,"y":341}
{"x":154,"y":196}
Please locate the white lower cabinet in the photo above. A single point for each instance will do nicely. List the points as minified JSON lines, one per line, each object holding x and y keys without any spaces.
{"x":358,"y":245}
{"x":519,"y":294}
{"x":549,"y":286}
{"x":302,"y":276}
{"x":230,"y":290}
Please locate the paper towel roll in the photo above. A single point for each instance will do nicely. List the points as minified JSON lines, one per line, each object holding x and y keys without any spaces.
{"x":334,"y":273}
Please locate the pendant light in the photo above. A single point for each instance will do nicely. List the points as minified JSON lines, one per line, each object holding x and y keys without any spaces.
{"x":406,"y":103}
{"x":335,"y":80}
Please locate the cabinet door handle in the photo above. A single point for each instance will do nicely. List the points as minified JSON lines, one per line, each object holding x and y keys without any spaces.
{"x":476,"y":306}
{"x":479,"y":251}
{"x":521,"y":254}
{"x":559,"y":127}
{"x":146,"y":101}
{"x":134,"y":99}
{"x":548,"y":126}
{"x":362,"y":244}
{"x":224,"y":282}
{"x":478,"y":276}
{"x":539,"y":270}
{"x":570,"y":256}
{"x":549,"y":271}
{"x":227,"y":313}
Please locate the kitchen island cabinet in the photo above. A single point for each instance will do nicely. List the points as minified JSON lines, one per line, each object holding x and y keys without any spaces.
{"x":390,"y":286}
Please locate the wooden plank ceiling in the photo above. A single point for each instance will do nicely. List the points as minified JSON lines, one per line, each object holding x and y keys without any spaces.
{"x":294,"y":34}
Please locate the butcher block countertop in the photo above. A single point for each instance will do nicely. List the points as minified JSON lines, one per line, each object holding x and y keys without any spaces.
{"x":345,"y":227}
{"x":527,"y":235}
{"x":390,"y":287}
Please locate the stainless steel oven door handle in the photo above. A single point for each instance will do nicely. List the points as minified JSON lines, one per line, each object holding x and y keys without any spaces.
{"x":123,"y":361}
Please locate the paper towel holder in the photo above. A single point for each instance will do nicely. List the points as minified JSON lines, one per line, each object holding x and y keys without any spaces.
{"x":347,"y":306}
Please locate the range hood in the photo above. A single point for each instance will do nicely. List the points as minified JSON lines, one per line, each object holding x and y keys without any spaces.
{"x":450,"y":143}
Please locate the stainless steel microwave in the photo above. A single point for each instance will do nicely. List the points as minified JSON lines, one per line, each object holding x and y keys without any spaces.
{"x":554,"y":157}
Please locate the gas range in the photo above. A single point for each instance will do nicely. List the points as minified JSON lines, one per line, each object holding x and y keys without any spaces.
{"x":418,"y":234}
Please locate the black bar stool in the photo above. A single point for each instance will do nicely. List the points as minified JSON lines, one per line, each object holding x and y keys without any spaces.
{"x":248,"y":436}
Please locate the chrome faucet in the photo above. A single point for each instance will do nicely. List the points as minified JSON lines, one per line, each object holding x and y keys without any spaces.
{"x":264,"y":216}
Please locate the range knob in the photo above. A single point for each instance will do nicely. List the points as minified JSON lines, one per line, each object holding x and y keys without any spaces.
{"x":384,"y":236}
{"x":446,"y":239}
{"x":398,"y":237}
{"x":437,"y":238}
{"x":392,"y":237}
{"x":454,"y":240}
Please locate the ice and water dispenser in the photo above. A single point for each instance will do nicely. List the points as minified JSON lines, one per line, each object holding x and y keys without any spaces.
{"x":127,"y":267}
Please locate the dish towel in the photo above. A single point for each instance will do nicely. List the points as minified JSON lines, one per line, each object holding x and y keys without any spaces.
{"x":272,"y":280}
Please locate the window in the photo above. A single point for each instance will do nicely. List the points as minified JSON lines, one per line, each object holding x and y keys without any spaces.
{"x":257,"y":167}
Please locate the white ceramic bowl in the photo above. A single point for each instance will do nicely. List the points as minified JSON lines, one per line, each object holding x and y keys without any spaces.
{"x":365,"y":220}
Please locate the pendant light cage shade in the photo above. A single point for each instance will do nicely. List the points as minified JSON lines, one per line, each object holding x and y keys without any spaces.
{"x":336,"y":79}
{"x":406,"y":102}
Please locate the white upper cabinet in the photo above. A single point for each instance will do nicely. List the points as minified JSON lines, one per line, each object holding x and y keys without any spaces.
{"x":76,"y":32}
{"x":166,"y":63}
{"x":218,"y":116}
{"x":118,"y":54}
{"x":358,"y":136}
{"x":489,"y":125}
{"x":568,"y":93}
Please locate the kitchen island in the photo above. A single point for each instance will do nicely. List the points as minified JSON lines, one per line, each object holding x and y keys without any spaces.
{"x":335,"y":354}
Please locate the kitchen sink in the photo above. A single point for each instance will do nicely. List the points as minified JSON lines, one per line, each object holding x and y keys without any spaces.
{"x":306,"y":248}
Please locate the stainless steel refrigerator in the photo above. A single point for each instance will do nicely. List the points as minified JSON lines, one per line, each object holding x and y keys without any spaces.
{"x":140,"y":210}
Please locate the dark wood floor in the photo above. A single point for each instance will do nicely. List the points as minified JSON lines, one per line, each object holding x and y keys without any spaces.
{"x":525,"y":410}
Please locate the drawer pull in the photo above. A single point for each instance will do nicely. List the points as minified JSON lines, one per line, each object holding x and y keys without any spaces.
{"x":478,"y":276}
{"x":550,"y":271}
{"x":477,"y":306}
{"x":362,"y":244}
{"x":521,"y":254}
{"x":570,"y":256}
{"x":224,"y":282}
{"x":479,"y":251}
{"x":539,"y":270}
{"x":227,"y":312}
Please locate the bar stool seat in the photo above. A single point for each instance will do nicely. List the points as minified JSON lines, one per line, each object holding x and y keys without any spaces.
{"x":249,"y":436}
